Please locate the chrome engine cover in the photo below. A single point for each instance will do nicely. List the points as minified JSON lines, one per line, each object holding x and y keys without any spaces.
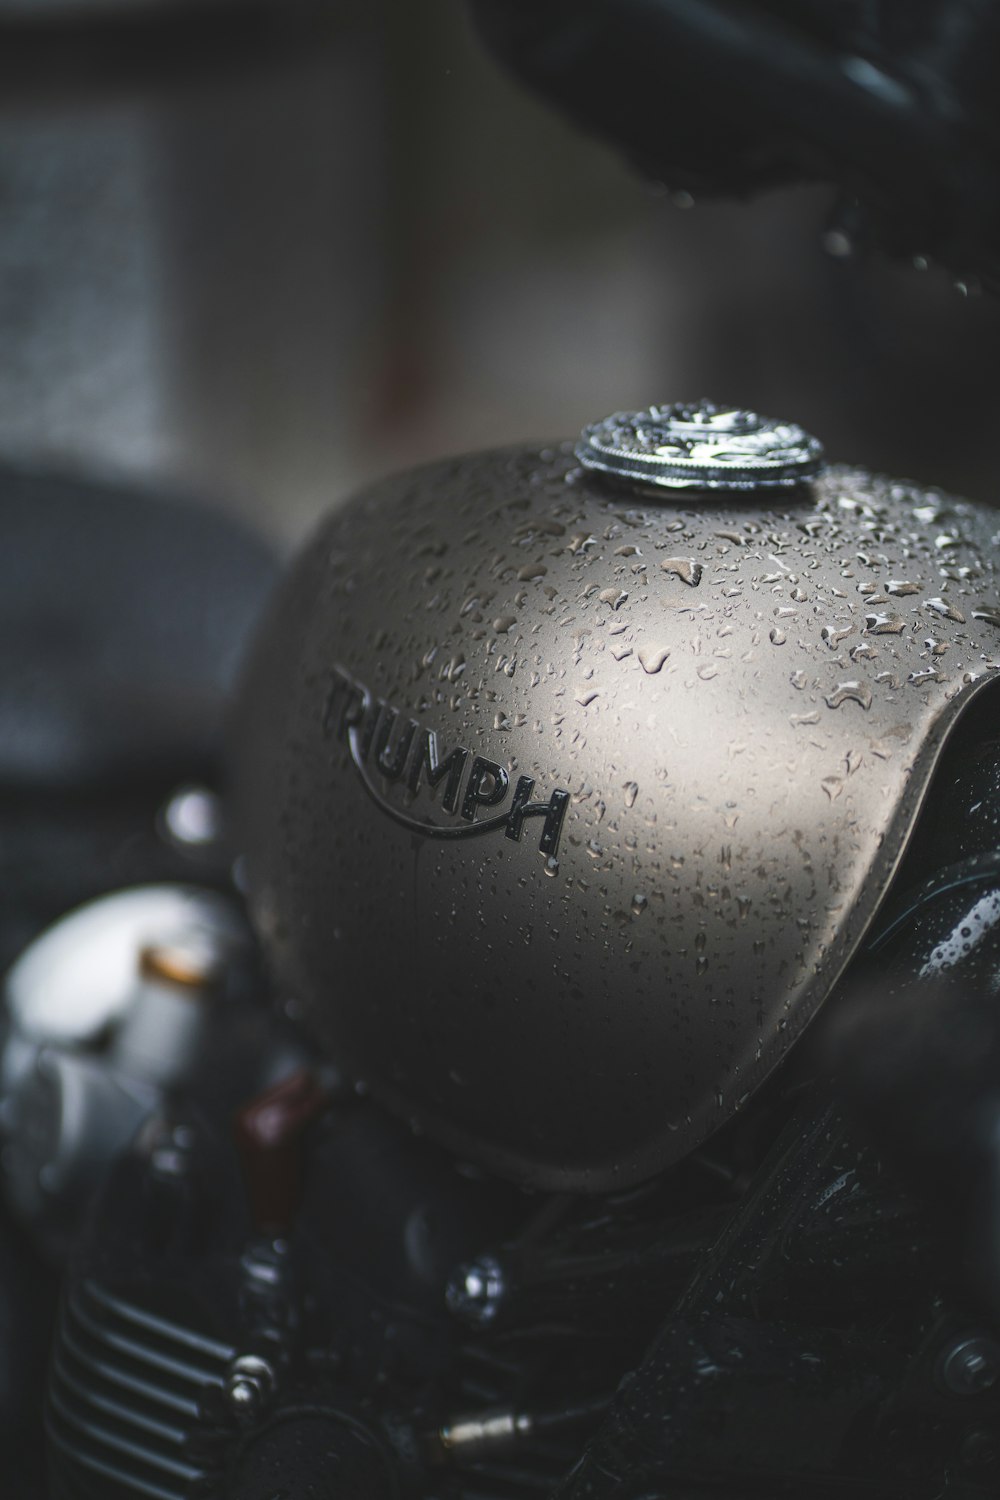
{"x":678,"y":744}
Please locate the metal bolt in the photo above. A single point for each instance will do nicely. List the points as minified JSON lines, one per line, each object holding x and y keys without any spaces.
{"x":980,"y":1450}
{"x":167,"y":1161}
{"x":476,"y":1291}
{"x":970,"y":1365}
{"x":192,"y":818}
{"x":249,"y":1383}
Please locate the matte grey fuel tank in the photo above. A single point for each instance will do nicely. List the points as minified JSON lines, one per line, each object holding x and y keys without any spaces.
{"x":566,"y":803}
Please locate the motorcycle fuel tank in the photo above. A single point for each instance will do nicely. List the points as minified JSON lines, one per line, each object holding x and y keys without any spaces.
{"x":568,"y":793}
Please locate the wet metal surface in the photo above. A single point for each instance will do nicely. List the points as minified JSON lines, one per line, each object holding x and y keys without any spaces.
{"x":568,"y":804}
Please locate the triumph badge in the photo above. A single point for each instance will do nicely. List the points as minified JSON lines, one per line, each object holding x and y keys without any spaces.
{"x":700,"y":447}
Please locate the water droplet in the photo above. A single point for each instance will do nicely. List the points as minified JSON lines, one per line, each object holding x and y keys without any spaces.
{"x":701,"y":965}
{"x":586,"y":696}
{"x":627,"y":551}
{"x":639,"y":904}
{"x":615,"y":597}
{"x":551,"y":866}
{"x":531,"y":571}
{"x":926,"y":674}
{"x":777,"y":636}
{"x":899,"y":586}
{"x":864,"y":651}
{"x":850,"y":692}
{"x":652,"y":658}
{"x":797,"y":721}
{"x":582,"y":543}
{"x":948,"y":611}
{"x":834,"y":634}
{"x":503,"y":623}
{"x":988,"y":616}
{"x":798,"y":680}
{"x":881,"y":623}
{"x":501,"y":721}
{"x":707,"y":673}
{"x":832,"y":786}
{"x":799,"y":596}
{"x":684,"y":568}
{"x":631,"y":792}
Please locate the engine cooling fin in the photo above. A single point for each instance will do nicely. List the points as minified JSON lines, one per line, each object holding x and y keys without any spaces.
{"x":125,"y":1396}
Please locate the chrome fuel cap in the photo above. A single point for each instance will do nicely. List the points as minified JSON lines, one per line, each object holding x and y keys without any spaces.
{"x":700,"y":446}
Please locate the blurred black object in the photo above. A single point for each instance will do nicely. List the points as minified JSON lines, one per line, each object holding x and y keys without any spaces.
{"x":895,"y":101}
{"x":122,"y":621}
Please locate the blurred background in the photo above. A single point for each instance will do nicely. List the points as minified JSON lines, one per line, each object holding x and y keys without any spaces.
{"x":258,"y":253}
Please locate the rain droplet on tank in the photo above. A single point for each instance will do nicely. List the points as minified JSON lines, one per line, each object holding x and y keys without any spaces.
{"x":531,"y":571}
{"x":926,"y":674}
{"x":707,"y":673}
{"x":900,"y":586}
{"x":798,"y":721}
{"x":501,"y":721}
{"x":948,"y":611}
{"x":684,"y":568}
{"x":582,"y":543}
{"x":937,"y":648}
{"x":552,"y":866}
{"x":834,"y":634}
{"x":639,"y":904}
{"x":799,"y":596}
{"x":586,"y":696}
{"x":615,"y":597}
{"x":503,"y":623}
{"x":627,"y":551}
{"x":798,"y":680}
{"x":988,"y":616}
{"x":832,"y":786}
{"x":864,"y":651}
{"x":881,"y":623}
{"x":631,"y":792}
{"x":701,"y":965}
{"x":651,"y":658}
{"x":850,"y":692}
{"x":777,"y":636}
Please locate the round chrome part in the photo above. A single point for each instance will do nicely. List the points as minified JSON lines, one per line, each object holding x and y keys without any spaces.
{"x":700,"y":446}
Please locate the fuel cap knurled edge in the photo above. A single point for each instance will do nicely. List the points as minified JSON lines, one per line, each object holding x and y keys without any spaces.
{"x":700,"y":446}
